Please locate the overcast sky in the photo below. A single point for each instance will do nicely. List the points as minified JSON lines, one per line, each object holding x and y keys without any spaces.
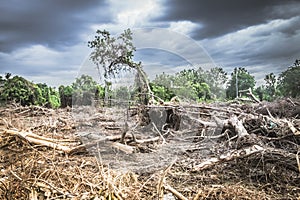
{"x":46,"y":41}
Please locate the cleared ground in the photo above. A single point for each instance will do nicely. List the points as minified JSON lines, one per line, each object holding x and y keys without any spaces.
{"x":218,"y":151}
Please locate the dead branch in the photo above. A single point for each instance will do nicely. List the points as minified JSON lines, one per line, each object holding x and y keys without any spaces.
{"x":175,"y":192}
{"x":228,"y":156}
{"x":292,"y":128}
{"x":250,"y":94}
{"x":155,"y":139}
{"x":161,"y":182}
{"x":298,"y":160}
{"x":125,"y":148}
{"x":162,"y":137}
{"x":39,"y":140}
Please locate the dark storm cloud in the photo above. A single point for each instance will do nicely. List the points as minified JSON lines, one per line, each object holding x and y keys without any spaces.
{"x":53,"y":23}
{"x":221,"y":17}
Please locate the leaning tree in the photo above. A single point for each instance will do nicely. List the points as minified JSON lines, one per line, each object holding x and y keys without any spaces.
{"x":115,"y":54}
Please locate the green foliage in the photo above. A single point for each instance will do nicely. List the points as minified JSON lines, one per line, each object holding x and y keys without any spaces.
{"x":271,"y":84}
{"x":196,"y":85}
{"x":190,"y":85}
{"x":41,"y":97}
{"x":187,"y":84}
{"x":114,"y":54}
{"x":260,"y":92}
{"x":269,"y":91}
{"x":65,"y":94}
{"x":287,"y":84}
{"x":164,"y":80}
{"x":83,"y":91}
{"x":289,"y":81}
{"x":244,"y":82}
{"x":18,"y":89}
{"x":202,"y":90}
{"x":54,"y":99}
{"x":162,"y":91}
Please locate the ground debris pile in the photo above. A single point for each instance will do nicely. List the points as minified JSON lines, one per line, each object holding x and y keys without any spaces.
{"x":236,"y":151}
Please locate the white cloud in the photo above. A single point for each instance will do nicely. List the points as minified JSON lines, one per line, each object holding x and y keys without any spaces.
{"x":36,"y":55}
{"x":183,"y":27}
{"x":131,"y":14}
{"x":39,"y":63}
{"x":134,"y":13}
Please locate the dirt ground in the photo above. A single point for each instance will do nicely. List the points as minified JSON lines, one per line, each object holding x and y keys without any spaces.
{"x":206,"y":151}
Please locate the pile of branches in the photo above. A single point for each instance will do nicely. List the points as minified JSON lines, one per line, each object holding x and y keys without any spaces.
{"x":241,"y":146}
{"x":42,"y":158}
{"x":237,"y":151}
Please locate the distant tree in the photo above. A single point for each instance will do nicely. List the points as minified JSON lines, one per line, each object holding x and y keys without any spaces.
{"x":115,"y":54}
{"x":202,"y":90}
{"x":289,"y":81}
{"x":54,"y":99}
{"x":271,"y":87}
{"x":163,"y":86}
{"x":240,"y":80}
{"x":84,"y":83}
{"x":190,"y":85}
{"x":162,"y":91}
{"x":192,"y":75}
{"x":42,"y":94}
{"x":65,"y":94}
{"x":216,"y":78}
{"x":85,"y":90}
{"x":165,"y":80}
{"x":19,"y":90}
{"x":46,"y":96}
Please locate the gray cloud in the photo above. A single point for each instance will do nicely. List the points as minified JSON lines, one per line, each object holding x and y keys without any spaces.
{"x":221,"y":17}
{"x":53,"y":23}
{"x":46,"y":40}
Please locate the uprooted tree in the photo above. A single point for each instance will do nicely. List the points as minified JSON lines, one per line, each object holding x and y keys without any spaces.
{"x":115,"y":54}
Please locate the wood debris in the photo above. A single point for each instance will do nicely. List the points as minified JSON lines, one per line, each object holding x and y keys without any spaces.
{"x":235,"y":151}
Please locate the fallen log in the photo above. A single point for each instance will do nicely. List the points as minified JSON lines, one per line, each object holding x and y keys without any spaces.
{"x":75,"y":146}
{"x":40,"y":140}
{"x":228,"y":156}
{"x":246,"y":152}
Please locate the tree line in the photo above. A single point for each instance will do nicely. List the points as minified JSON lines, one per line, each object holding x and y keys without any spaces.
{"x":193,"y":84}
